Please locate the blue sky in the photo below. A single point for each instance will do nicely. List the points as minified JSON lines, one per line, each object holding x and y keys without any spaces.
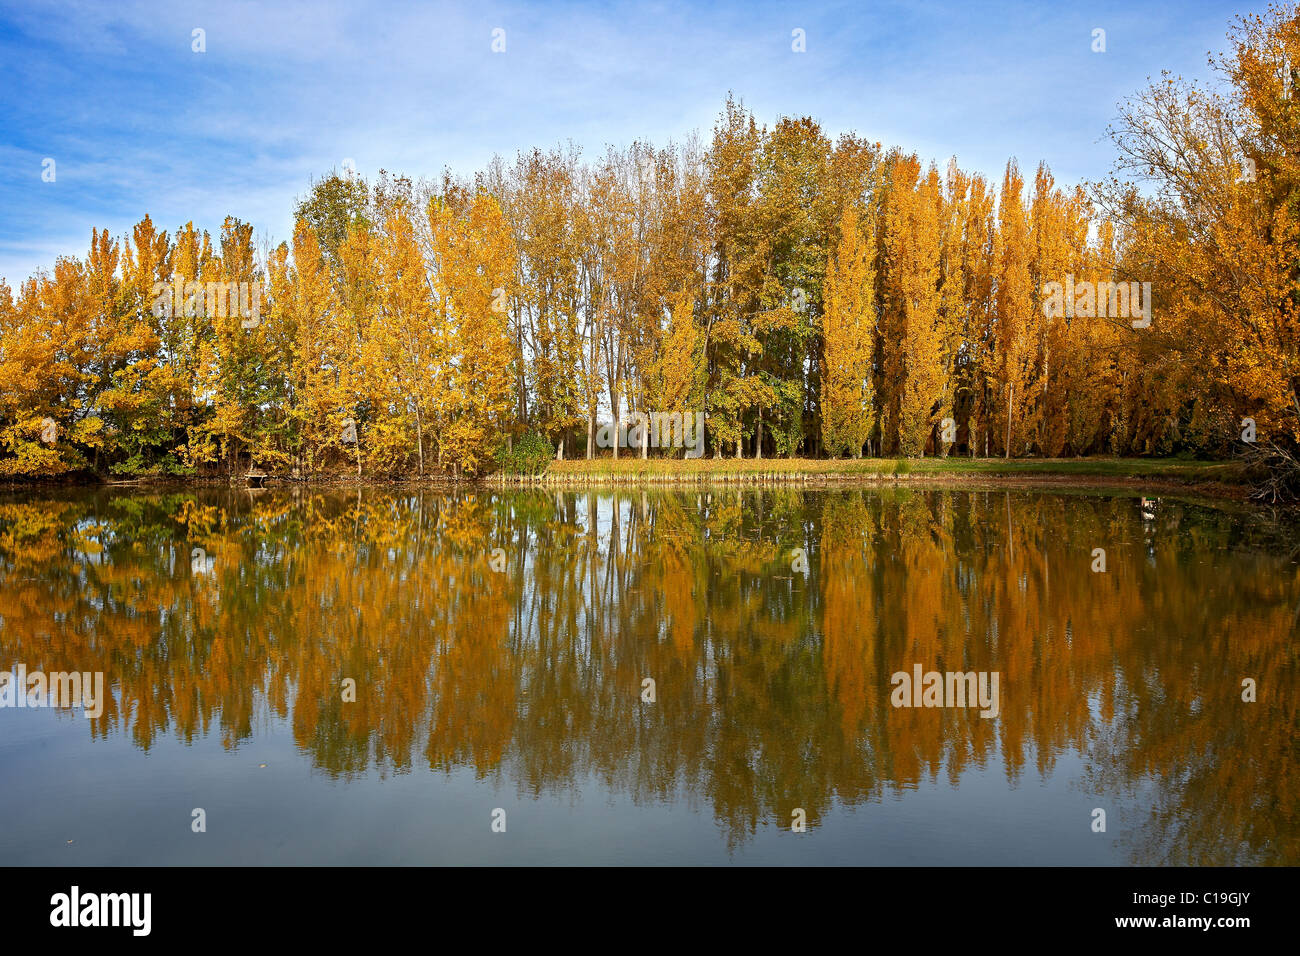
{"x":137,"y":122}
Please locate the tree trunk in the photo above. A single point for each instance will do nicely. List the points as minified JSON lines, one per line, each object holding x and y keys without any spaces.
{"x":1011,"y":398}
{"x":419,"y":437}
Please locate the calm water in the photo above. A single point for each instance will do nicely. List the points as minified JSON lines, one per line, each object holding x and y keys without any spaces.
{"x":514,"y":679}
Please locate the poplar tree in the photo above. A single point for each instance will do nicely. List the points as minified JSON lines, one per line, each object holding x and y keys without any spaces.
{"x":848,"y":341}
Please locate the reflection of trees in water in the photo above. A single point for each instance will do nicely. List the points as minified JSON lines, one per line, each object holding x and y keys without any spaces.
{"x":772,"y":686}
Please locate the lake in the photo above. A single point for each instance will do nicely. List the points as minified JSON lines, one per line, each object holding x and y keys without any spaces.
{"x":398,"y":676}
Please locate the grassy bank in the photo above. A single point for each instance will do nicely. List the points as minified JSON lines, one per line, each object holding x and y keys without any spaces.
{"x":1223,"y":476}
{"x":1229,"y":479}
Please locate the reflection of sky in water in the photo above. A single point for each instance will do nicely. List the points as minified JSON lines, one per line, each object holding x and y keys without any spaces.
{"x":120,"y":806}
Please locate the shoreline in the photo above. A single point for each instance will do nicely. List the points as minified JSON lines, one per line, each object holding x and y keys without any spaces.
{"x":1222,"y":480}
{"x":1050,"y":483}
{"x":1210,"y":479}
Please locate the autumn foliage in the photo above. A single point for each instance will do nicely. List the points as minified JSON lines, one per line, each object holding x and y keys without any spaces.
{"x":812,"y":297}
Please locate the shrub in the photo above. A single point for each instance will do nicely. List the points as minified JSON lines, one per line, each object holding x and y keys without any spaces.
{"x":529,"y":456}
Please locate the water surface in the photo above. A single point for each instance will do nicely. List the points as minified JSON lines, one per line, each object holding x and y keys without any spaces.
{"x":500,"y":643}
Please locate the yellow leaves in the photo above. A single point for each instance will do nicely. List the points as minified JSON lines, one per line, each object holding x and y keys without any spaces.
{"x":913,"y":342}
{"x":475,"y":255}
{"x":386,"y":443}
{"x":848,"y":341}
{"x":1217,"y":229}
{"x":677,"y":376}
{"x":28,"y":455}
{"x":88,"y":432}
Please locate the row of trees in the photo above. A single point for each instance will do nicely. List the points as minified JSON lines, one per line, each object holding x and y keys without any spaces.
{"x":379,"y":344}
{"x":811,"y":297}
